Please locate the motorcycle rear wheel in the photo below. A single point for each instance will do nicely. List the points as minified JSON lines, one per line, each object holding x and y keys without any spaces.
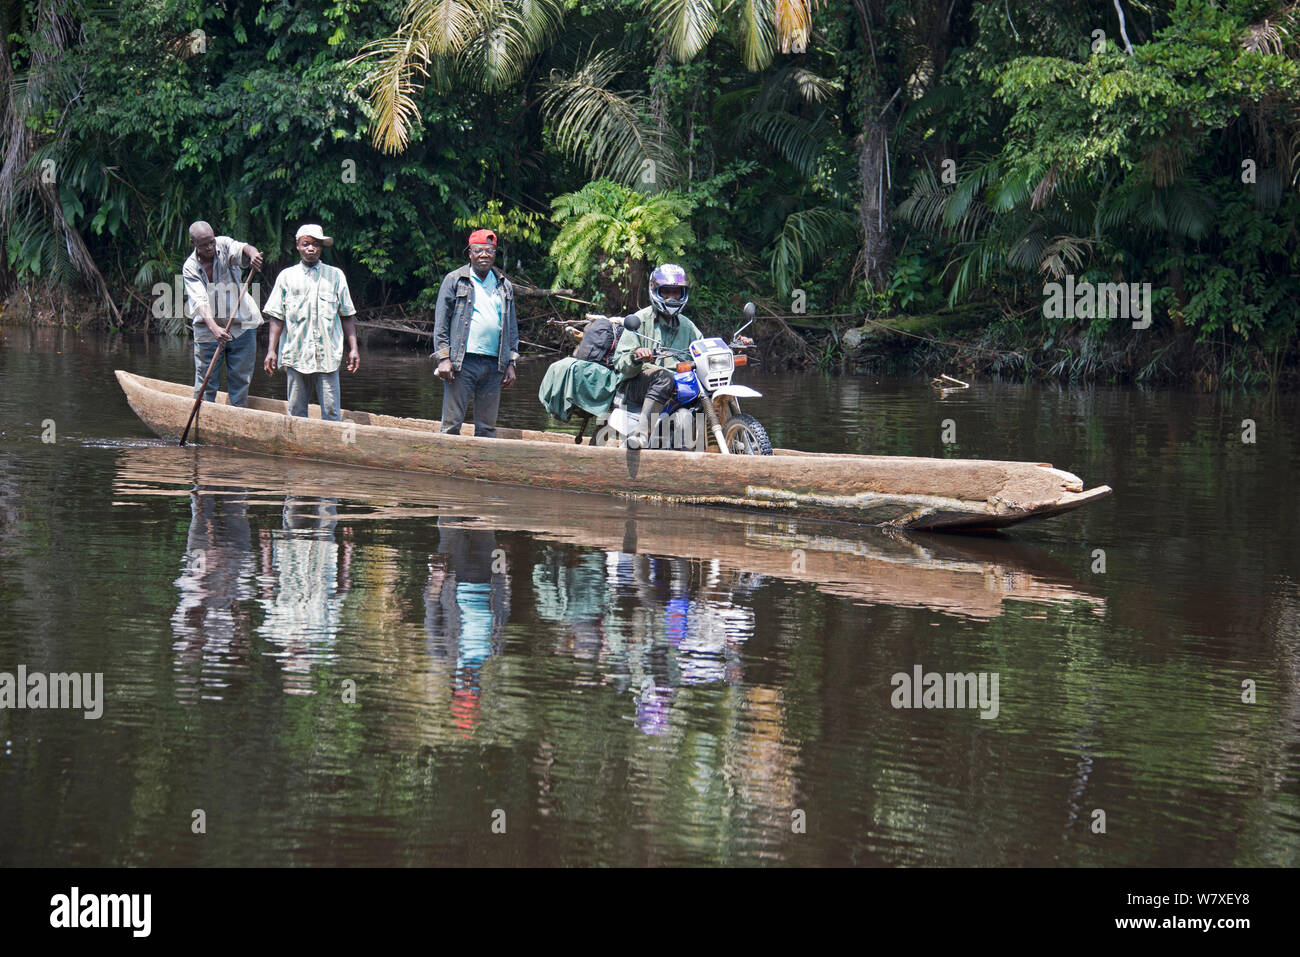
{"x":745,"y":435}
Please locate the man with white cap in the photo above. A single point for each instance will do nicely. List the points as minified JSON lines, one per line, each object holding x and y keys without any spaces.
{"x":476,"y":338}
{"x":310,"y":305}
{"x":212,"y":281}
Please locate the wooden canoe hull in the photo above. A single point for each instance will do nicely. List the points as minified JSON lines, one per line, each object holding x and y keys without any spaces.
{"x":899,"y":491}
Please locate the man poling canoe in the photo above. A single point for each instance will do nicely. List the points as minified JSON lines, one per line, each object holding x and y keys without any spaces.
{"x":221,"y":344}
{"x":212,"y":274}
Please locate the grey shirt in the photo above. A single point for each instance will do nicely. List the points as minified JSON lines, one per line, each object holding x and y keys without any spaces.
{"x":220,"y":293}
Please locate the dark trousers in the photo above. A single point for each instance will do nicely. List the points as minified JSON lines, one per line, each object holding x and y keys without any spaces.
{"x":654,"y":384}
{"x":478,"y":380}
{"x":238,"y":358}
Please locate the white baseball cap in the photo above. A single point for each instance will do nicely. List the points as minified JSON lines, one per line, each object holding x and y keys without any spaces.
{"x":313,"y":230}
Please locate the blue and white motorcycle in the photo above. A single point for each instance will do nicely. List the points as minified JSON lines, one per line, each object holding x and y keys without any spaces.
{"x":706,"y":404}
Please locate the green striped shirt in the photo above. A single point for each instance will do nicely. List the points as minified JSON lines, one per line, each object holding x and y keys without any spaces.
{"x":310,"y":302}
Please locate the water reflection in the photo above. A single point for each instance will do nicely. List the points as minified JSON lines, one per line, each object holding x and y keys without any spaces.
{"x":653,"y":624}
{"x":467,"y":604}
{"x":964,"y":577}
{"x":305,"y":577}
{"x":210,"y":624}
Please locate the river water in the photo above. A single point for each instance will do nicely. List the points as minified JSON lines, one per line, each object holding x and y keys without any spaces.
{"x":306,"y":664}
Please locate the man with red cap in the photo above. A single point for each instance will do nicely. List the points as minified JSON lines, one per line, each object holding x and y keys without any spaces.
{"x":475,"y":338}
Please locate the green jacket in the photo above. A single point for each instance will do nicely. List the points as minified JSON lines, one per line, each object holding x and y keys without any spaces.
{"x":680,"y":337}
{"x":576,"y":384}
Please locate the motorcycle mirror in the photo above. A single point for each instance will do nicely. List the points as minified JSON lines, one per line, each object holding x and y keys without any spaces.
{"x":750,"y":311}
{"x":632,"y":323}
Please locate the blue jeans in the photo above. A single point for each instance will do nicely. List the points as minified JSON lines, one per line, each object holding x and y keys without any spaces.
{"x":237,"y":357}
{"x":478,"y":379}
{"x":323,"y":386}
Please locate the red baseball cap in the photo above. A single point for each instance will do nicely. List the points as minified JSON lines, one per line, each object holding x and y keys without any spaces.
{"x":482,"y":236}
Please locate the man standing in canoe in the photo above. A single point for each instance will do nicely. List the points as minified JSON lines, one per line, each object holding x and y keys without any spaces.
{"x":212,"y":277}
{"x":310,"y":305}
{"x":476,"y":338}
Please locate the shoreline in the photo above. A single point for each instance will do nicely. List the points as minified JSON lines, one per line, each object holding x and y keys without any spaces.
{"x":964,"y":342}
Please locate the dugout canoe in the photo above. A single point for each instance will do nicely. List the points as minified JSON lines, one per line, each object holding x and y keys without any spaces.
{"x":897,"y":491}
{"x":960,"y":576}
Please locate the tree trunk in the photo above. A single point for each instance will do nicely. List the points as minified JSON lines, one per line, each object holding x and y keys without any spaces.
{"x":874,"y":212}
{"x":874,"y":174}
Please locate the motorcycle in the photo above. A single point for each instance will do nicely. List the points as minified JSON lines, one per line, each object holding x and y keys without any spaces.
{"x":704,"y":392}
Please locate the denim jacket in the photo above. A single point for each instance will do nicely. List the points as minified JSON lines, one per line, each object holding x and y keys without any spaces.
{"x":456,"y":309}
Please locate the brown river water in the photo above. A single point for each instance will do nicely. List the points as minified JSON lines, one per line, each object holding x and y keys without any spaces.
{"x":305,"y":664}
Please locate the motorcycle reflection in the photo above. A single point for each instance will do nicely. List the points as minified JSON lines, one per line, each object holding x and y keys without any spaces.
{"x":653,"y":624}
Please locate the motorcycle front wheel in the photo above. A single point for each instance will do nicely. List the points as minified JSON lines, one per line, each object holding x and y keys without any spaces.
{"x":745,"y":435}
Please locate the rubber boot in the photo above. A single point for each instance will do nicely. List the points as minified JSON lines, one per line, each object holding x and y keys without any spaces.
{"x":649,"y":415}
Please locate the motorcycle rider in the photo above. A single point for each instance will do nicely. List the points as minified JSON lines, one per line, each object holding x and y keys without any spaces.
{"x":662,"y":322}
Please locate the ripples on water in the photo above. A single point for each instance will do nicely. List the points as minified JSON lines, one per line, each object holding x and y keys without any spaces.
{"x":355,"y":666}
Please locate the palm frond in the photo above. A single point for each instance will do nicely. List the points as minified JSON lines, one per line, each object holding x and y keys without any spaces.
{"x":445,"y":26}
{"x":492,"y":40}
{"x":758,"y":33}
{"x":542,"y":19}
{"x":799,"y":141}
{"x":807,"y":236}
{"x":686,"y":25}
{"x":969,"y":189}
{"x":393,"y":85}
{"x":608,"y":131}
{"x":1063,"y":254}
{"x":979,"y":260}
{"x":793,"y":24}
{"x":924,"y":207}
{"x":1263,"y":37}
{"x":1183,"y":210}
{"x":791,"y":85}
{"x":500,"y":47}
{"x":1012,"y":189}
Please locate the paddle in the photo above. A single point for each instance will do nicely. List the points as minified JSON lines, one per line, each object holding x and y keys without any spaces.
{"x":198,"y":399}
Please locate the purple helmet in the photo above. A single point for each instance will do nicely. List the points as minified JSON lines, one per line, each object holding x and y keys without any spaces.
{"x":669,"y":290}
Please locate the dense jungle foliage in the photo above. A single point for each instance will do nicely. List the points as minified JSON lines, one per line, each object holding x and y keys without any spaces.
{"x":934,"y":161}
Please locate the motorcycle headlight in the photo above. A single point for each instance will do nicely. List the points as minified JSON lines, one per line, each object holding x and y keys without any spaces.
{"x":720,"y":363}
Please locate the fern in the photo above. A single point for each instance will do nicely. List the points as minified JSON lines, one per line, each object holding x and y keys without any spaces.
{"x":606,"y":227}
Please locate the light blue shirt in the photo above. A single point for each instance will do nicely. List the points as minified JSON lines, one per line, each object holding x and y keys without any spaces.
{"x":475,"y":601}
{"x":485,"y":324}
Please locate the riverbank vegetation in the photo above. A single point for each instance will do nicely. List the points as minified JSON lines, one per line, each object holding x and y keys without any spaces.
{"x":855,"y":166}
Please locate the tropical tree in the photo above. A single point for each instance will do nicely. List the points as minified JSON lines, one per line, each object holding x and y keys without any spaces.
{"x":40,"y":175}
{"x":491,"y":44}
